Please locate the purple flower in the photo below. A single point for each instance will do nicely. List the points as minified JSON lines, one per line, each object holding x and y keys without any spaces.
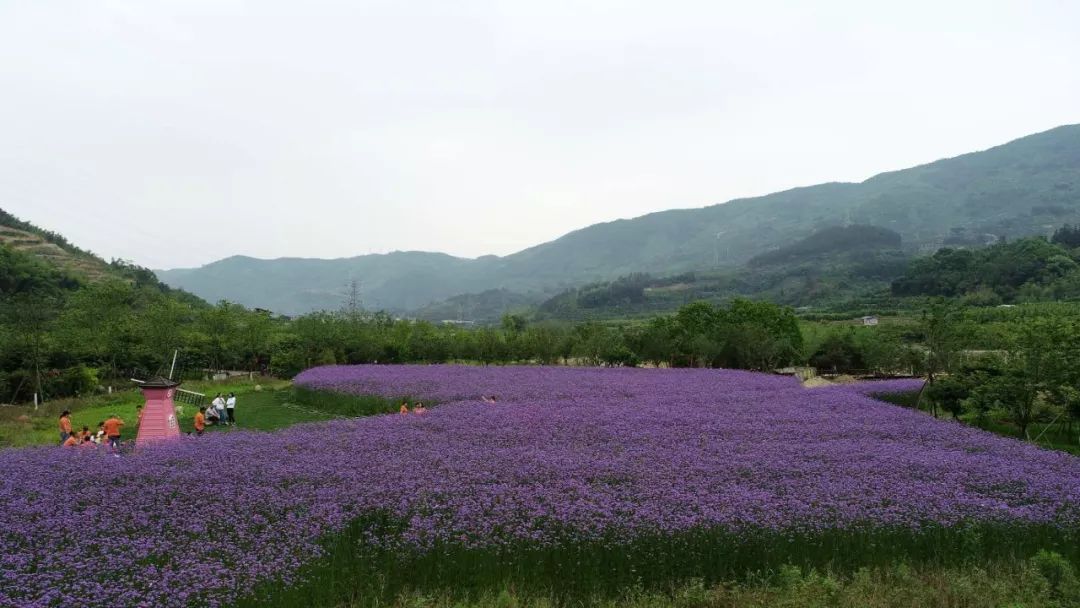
{"x":564,"y":454}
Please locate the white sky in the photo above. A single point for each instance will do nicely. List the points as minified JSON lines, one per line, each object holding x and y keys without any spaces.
{"x":177,"y":133}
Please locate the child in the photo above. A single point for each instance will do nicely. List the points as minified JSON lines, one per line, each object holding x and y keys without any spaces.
{"x":419,"y":409}
{"x":71,"y":441}
{"x":200,"y":421}
{"x":99,"y":438}
{"x":230,"y":408}
{"x":404,"y":410}
{"x":112,"y":430}
{"x":65,"y":426}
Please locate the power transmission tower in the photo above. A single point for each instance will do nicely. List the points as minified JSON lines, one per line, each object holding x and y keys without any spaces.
{"x":354,"y":301}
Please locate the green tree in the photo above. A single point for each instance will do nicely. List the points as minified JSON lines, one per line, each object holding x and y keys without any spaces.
{"x":940,"y":341}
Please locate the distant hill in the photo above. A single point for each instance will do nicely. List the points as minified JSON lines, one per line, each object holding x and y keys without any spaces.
{"x":484,"y":307}
{"x":834,"y":240}
{"x":1025,"y":187}
{"x":398,"y":281}
{"x":51,"y":248}
{"x":48,"y":256}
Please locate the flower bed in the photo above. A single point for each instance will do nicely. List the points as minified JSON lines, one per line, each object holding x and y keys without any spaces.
{"x":565,"y":457}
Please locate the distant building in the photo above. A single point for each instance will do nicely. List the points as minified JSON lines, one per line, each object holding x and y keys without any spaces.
{"x":870,"y":320}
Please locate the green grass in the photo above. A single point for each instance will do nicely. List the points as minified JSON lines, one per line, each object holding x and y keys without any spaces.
{"x":1052,"y":437}
{"x":907,"y":399}
{"x":1043,"y":581}
{"x":1034,"y":583}
{"x":345,"y":405}
{"x":266,"y":410}
{"x":24,"y":426}
{"x":353,"y":572}
{"x":274,"y":406}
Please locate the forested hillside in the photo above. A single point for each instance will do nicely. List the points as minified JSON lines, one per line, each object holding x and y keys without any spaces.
{"x":1031,"y":269}
{"x":69,"y":320}
{"x":832,"y":241}
{"x":1027,"y":187}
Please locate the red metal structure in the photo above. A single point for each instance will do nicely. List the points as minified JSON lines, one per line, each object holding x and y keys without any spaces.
{"x":158,"y":421}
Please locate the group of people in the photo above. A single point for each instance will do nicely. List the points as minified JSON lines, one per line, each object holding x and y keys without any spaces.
{"x":222,"y":411}
{"x":418,"y":409}
{"x":108,"y":432}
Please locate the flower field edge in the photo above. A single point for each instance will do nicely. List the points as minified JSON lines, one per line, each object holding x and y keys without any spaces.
{"x":370,"y":575}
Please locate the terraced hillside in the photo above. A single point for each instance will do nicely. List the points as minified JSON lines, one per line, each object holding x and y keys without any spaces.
{"x":76,"y":262}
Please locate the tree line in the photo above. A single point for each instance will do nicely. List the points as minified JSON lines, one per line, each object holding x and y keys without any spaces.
{"x":1024,"y":270}
{"x":61,"y":336}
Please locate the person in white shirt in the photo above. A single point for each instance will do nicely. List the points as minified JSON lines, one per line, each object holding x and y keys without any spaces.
{"x":230,"y":407}
{"x":219,"y":405}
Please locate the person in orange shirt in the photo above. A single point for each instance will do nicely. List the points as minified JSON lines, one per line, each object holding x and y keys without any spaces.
{"x":200,"y":421}
{"x":84,"y":436}
{"x":65,"y":426}
{"x":404,"y":408}
{"x":112,"y":430}
{"x":71,"y":441}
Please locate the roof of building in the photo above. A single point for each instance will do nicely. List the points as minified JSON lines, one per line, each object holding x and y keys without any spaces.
{"x":159,"y":382}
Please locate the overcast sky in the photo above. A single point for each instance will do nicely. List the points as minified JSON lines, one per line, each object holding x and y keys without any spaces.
{"x":177,"y":133}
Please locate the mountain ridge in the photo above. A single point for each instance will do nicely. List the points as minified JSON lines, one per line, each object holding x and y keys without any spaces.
{"x":1026,"y":186}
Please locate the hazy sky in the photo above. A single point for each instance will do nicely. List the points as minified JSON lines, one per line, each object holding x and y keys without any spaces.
{"x":177,"y":133}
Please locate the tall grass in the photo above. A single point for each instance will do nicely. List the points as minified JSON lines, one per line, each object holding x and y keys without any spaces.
{"x":1044,"y":581}
{"x":356,"y":572}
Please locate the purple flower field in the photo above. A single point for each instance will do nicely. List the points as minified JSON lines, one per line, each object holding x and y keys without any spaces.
{"x":565,"y":455}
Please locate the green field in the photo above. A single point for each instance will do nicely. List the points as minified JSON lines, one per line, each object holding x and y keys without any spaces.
{"x":273,"y":406}
{"x":266,"y":409}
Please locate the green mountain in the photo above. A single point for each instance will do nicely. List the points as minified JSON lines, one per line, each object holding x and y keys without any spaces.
{"x":70,"y":321}
{"x":486,"y":307}
{"x":50,"y":248}
{"x":1025,"y":187}
{"x":834,"y":265}
{"x":47,"y":259}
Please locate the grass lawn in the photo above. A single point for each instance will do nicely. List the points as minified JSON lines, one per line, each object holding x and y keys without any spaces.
{"x":1051,"y":437}
{"x":266,"y":409}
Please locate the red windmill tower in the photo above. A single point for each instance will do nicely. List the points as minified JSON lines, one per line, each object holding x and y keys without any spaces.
{"x":158,"y":421}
